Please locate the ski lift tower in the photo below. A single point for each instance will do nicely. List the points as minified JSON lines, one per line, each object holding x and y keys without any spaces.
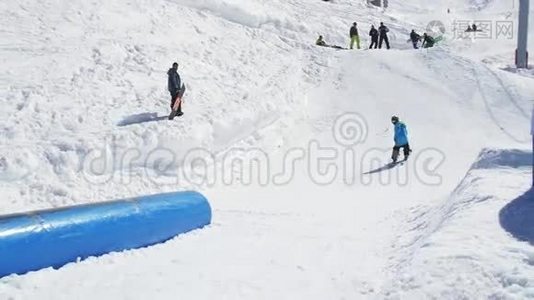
{"x":532,"y":133}
{"x":521,"y":56}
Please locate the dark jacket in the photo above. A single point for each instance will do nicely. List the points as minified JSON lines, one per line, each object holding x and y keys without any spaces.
{"x":414,"y":36}
{"x":383,"y":29}
{"x":353,"y":31}
{"x":174,"y":83}
{"x":373,"y":33}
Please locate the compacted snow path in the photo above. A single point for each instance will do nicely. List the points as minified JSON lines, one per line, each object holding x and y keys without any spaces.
{"x":322,"y":216}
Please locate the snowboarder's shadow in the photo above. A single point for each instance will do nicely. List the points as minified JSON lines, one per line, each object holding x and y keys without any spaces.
{"x":141,"y":118}
{"x":383,"y":168}
{"x":516,"y":217}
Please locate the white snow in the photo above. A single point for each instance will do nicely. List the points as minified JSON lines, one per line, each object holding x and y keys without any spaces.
{"x":84,"y":108}
{"x":468,"y":246}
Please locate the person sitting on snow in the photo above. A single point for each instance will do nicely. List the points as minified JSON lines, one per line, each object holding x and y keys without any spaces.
{"x":320,"y":41}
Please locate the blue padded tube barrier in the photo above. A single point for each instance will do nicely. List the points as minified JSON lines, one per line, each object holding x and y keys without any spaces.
{"x":52,"y":238}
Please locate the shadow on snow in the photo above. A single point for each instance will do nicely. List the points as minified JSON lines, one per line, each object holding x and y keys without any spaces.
{"x":389,"y":166}
{"x":141,"y":118}
{"x":517,"y":217}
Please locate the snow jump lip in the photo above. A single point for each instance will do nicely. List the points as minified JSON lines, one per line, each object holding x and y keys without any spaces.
{"x":52,"y":238}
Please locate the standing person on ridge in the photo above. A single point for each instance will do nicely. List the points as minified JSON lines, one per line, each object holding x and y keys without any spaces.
{"x":415,"y":38}
{"x":401,"y":139}
{"x":383,"y":30}
{"x":354,"y":37}
{"x":373,"y":33}
{"x":174,"y":84}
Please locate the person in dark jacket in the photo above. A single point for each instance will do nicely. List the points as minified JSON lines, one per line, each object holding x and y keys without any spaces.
{"x":373,"y":33}
{"x":383,"y":32}
{"x":415,"y":38}
{"x":354,"y":37}
{"x":174,"y":84}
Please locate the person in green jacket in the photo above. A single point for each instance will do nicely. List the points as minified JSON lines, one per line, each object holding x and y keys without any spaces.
{"x":428,"y":41}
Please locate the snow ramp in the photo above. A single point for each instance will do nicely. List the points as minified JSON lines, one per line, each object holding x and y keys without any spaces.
{"x":476,"y":244}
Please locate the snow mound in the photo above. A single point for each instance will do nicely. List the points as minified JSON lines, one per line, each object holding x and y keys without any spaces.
{"x":247,"y":13}
{"x":16,"y":164}
{"x":472,"y":245}
{"x":495,"y":158}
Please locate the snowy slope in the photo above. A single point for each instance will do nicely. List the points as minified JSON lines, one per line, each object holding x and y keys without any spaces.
{"x":478,"y":243}
{"x":84,"y":109}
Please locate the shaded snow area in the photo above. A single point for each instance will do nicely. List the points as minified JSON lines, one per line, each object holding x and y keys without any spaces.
{"x":290,"y":143}
{"x":479,"y":242}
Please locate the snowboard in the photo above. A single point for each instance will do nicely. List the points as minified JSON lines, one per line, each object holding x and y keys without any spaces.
{"x":338,"y":47}
{"x":179,"y":97}
{"x":397,"y":163}
{"x":386,"y":167}
{"x":333,"y":47}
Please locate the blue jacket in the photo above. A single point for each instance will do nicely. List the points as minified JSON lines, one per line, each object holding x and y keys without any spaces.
{"x":401,"y":134}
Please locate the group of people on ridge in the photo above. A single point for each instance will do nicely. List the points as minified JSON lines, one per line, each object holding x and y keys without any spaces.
{"x":379,"y":36}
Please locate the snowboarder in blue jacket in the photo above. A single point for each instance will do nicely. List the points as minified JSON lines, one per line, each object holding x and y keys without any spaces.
{"x":401,"y":139}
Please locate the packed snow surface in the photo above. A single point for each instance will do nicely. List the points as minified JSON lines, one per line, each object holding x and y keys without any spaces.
{"x":289,"y":142}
